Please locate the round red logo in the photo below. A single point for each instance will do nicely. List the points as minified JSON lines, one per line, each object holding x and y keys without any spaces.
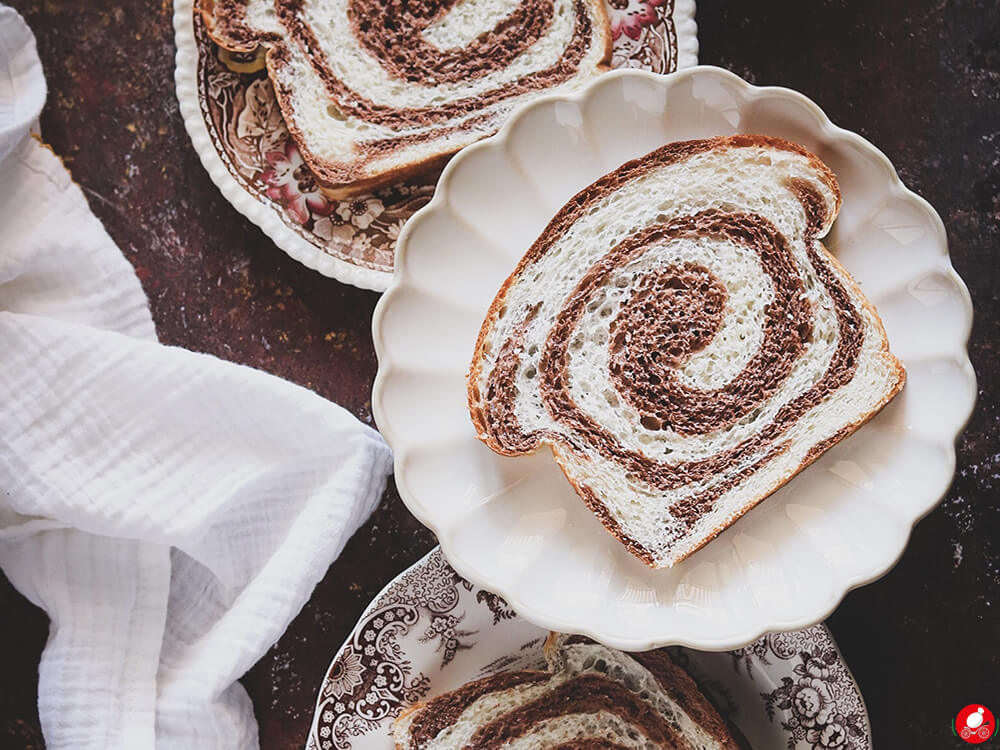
{"x":975,"y":724}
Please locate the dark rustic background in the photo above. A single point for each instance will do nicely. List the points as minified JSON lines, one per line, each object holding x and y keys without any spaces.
{"x":919,"y":78}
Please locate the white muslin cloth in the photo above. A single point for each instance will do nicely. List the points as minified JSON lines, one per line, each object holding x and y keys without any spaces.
{"x":171,"y":512}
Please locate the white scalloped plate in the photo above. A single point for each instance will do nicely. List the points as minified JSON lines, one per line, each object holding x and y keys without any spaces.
{"x":430,"y":631}
{"x":514,"y":525}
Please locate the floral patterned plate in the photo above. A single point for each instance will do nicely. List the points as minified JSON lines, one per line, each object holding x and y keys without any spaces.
{"x":237,"y":130}
{"x":430,"y":631}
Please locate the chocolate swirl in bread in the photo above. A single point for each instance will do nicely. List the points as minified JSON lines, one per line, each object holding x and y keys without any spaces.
{"x":372,"y":91}
{"x":683,"y":341}
{"x":591,"y":698}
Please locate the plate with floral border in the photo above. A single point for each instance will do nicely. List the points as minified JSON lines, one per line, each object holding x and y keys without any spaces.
{"x":840,"y":523}
{"x":430,"y":630}
{"x":237,"y":129}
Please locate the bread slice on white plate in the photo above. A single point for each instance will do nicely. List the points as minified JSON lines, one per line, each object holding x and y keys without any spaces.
{"x":683,"y":341}
{"x":591,"y":698}
{"x":374,"y":91}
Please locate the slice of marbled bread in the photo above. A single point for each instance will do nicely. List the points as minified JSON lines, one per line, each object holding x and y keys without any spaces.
{"x":591,"y":698}
{"x":683,"y":341}
{"x":374,"y":91}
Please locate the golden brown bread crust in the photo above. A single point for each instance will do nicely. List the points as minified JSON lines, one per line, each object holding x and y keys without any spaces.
{"x":207,"y":10}
{"x":419,"y":706}
{"x":329,"y":181}
{"x":612,"y":181}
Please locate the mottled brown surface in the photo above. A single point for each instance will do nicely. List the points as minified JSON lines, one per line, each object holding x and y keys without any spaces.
{"x":918,"y":77}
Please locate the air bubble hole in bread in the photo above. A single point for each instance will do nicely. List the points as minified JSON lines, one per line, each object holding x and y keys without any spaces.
{"x":683,"y":341}
{"x":373,"y":91}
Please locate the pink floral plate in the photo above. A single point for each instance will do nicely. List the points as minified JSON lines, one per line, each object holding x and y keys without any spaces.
{"x":237,"y":130}
{"x":430,"y":631}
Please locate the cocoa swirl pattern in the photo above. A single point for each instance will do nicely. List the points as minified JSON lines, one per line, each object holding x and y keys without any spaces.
{"x":671,"y":315}
{"x":394,"y":84}
{"x":653,"y":387}
{"x":583,"y":694}
{"x":591,"y":698}
{"x":352,"y":102}
{"x":653,"y":311}
{"x":447,"y":708}
{"x":586,"y":694}
{"x":394,"y":36}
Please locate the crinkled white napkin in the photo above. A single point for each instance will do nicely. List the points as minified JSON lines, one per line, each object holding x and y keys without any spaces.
{"x":170,"y":511}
